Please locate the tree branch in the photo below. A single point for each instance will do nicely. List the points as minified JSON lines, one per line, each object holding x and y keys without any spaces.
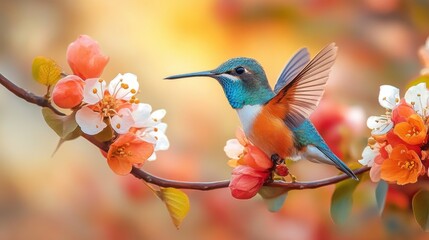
{"x":27,"y":96}
{"x":149,"y":178}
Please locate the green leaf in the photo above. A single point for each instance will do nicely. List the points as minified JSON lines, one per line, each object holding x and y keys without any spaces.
{"x":105,"y":135}
{"x":177,"y":203}
{"x":46,"y":71}
{"x":274,"y":197}
{"x":342,"y":200}
{"x":421,"y":209}
{"x":64,"y":126}
{"x":380,"y":195}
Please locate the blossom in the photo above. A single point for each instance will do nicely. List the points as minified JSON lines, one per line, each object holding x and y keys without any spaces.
{"x":68,"y":92}
{"x":242,"y":152}
{"x":402,"y":112}
{"x":151,"y":128}
{"x":127,"y":150}
{"x":396,"y":148}
{"x":416,"y":96}
{"x":403,"y":166}
{"x":252,"y":166}
{"x":413,"y":131}
{"x":246,"y":181}
{"x":85,"y":58}
{"x":389,"y":99}
{"x":368,"y":155}
{"x":112,"y":104}
{"x":255,"y":158}
{"x":234,"y":149}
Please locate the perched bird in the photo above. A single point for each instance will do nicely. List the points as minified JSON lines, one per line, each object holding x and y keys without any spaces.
{"x":276,"y":120}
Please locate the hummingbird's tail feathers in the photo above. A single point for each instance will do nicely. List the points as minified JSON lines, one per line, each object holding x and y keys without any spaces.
{"x":337,"y":162}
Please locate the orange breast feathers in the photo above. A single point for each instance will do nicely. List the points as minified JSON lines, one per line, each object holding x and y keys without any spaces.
{"x":270,"y":133}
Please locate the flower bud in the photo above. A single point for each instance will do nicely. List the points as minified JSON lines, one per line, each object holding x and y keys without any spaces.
{"x":68,"y":92}
{"x":85,"y":58}
{"x":246,"y":181}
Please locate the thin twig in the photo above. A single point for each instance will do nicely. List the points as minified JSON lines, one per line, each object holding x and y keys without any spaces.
{"x":149,"y":178}
{"x":27,"y":96}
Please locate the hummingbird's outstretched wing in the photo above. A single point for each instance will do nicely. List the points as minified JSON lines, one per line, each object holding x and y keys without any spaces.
{"x":298,"y":99}
{"x":292,"y":68}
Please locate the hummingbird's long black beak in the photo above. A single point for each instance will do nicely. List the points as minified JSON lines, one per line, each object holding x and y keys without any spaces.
{"x":195,"y":74}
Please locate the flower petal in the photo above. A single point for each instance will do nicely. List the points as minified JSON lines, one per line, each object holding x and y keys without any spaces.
{"x":379,"y":125}
{"x":127,"y":150}
{"x":158,"y":115}
{"x":375,"y":172}
{"x":123,"y":121}
{"x":233,"y":148}
{"x":89,"y":121}
{"x":68,"y":92}
{"x":162,"y":142}
{"x":418,"y":97}
{"x":140,"y":151}
{"x":118,"y":166}
{"x":413,"y":131}
{"x":246,"y":182}
{"x":152,"y":157}
{"x":389,"y":96}
{"x":141,"y":115}
{"x":93,"y":91}
{"x":85,"y":58}
{"x":124,"y":86}
{"x":368,"y":156}
{"x":257,"y":159}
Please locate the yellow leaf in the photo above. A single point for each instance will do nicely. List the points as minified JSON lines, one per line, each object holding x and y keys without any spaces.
{"x":177,"y":203}
{"x":46,"y":71}
{"x":419,"y":79}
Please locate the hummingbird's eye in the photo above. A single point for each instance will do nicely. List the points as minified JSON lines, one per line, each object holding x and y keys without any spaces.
{"x":240,"y":70}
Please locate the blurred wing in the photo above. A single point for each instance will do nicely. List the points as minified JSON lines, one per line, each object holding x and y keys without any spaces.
{"x":302,"y":94}
{"x":293,"y":67}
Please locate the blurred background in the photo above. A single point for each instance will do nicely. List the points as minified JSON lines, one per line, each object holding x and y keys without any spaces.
{"x":74,"y":194}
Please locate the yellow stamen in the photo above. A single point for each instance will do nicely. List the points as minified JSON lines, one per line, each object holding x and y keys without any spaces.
{"x":124,"y":86}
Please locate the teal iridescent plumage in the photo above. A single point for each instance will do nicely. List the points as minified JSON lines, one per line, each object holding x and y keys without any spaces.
{"x":306,"y":134}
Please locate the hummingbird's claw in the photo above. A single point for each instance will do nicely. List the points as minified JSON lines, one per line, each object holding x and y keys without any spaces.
{"x":276,"y":159}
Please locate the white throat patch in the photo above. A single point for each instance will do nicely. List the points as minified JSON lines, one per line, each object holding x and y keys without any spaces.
{"x":247,"y":115}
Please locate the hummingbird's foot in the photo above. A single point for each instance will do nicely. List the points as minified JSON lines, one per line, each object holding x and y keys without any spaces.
{"x":276,"y":159}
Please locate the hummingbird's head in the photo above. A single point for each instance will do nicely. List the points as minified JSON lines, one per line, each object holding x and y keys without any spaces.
{"x":242,"y":79}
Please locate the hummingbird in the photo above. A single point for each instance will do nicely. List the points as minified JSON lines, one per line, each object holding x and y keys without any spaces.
{"x":277,"y":121}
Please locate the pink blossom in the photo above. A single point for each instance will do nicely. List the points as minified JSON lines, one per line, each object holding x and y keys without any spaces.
{"x":68,"y":92}
{"x":85,"y":58}
{"x":246,"y":181}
